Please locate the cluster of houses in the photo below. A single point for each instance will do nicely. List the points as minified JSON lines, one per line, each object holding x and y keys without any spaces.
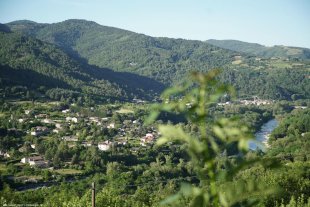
{"x":61,"y":125}
{"x":256,"y":101}
{"x":56,"y":126}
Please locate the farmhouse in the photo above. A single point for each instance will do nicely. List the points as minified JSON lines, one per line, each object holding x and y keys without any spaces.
{"x":111,"y":126}
{"x":37,"y":161}
{"x":104,"y":146}
{"x":71,"y":119}
{"x":148,"y":138}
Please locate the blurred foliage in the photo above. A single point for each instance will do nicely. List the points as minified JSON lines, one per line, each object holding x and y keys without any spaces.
{"x":216,"y":187}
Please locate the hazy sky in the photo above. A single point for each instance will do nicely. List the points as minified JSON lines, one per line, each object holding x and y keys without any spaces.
{"x":268,"y":22}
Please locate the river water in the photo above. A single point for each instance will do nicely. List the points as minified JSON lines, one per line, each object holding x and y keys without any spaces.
{"x":262,"y":135}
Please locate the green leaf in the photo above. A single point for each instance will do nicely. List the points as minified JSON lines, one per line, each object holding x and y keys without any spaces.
{"x":173,"y":133}
{"x":170,"y":199}
{"x":162,"y":140}
{"x":152,"y":117}
{"x":186,"y":189}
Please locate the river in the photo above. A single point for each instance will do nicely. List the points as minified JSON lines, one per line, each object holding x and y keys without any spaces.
{"x":262,"y":135}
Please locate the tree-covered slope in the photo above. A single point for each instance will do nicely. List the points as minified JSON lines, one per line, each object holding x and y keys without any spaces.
{"x":163,"y":59}
{"x":30,"y":62}
{"x":170,"y":60}
{"x":262,"y":51}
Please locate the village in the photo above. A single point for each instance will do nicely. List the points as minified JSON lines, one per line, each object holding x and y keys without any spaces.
{"x":49,"y":141}
{"x":43,"y":131}
{"x":254,"y":101}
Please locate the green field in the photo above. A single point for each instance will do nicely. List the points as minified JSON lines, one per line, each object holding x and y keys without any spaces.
{"x":124,"y":111}
{"x":281,"y":64}
{"x":68,"y":171}
{"x":32,"y":177}
{"x":2,"y":168}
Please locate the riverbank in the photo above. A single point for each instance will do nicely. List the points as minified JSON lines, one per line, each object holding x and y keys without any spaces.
{"x":262,"y":136}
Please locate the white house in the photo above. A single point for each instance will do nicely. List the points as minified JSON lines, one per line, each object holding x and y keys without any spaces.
{"x":58,"y":125}
{"x":104,"y":146}
{"x":68,"y":118}
{"x":47,"y":121}
{"x":65,"y":111}
{"x":111,"y":126}
{"x":94,"y":119}
{"x":24,"y":160}
{"x":148,"y":138}
{"x":37,"y":161}
{"x":5,"y":154}
{"x":73,"y":119}
{"x":27,"y":112}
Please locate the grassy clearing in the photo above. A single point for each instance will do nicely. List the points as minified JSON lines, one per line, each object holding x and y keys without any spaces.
{"x":124,"y":111}
{"x":281,"y":65}
{"x":2,"y":168}
{"x":68,"y":171}
{"x":236,"y":62}
{"x":20,"y":102}
{"x":23,"y":178}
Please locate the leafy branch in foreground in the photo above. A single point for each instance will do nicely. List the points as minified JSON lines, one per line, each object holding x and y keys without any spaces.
{"x":217,"y":187}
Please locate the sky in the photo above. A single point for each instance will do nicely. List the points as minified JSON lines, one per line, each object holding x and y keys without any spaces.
{"x":267,"y":22}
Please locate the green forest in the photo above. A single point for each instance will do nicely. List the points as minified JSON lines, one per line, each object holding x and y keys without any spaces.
{"x":169,"y":61}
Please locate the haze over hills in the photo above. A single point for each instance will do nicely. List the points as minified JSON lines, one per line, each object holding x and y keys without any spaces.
{"x":261,"y":50}
{"x":155,"y":61}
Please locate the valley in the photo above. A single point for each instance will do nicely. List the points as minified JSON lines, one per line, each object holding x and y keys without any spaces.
{"x":142,"y":116}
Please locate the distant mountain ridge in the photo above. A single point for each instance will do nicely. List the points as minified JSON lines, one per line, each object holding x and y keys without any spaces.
{"x":261,"y":50}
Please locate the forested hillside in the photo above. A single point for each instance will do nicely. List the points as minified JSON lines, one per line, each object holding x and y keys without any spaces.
{"x":29,"y":62}
{"x":261,"y":50}
{"x":169,"y":60}
{"x":163,"y":59}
